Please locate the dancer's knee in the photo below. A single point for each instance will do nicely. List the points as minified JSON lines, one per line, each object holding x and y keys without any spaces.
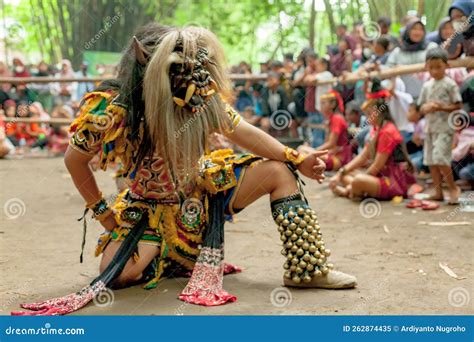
{"x":280,"y":172}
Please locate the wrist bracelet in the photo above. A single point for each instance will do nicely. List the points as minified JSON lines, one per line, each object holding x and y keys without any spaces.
{"x":100,"y":209}
{"x":293,"y":157}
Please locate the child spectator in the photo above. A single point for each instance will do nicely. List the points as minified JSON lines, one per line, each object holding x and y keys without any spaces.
{"x":5,"y":145}
{"x":438,"y":98}
{"x":340,"y":151}
{"x":415,"y":145}
{"x":358,"y":128}
{"x":381,"y":51}
{"x":315,"y":118}
{"x":59,"y":137}
{"x":11,"y":127}
{"x":463,"y":155}
{"x":274,"y":102}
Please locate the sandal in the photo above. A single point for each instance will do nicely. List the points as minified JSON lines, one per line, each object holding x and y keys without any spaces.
{"x":429,"y":205}
{"x":414,"y":203}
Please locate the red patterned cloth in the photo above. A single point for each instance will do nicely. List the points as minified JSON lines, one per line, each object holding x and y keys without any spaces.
{"x":205,"y":285}
{"x":62,"y":305}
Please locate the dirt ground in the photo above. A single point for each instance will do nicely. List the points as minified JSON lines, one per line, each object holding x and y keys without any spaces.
{"x":395,"y":257}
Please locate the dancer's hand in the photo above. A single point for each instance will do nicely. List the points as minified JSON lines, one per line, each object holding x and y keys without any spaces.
{"x":313,"y":165}
{"x":109,"y":223}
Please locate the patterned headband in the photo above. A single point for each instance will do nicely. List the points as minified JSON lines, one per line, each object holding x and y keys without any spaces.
{"x":191,"y":83}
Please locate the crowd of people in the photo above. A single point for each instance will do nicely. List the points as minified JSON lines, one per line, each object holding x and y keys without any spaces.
{"x":43,"y":101}
{"x":381,"y":135}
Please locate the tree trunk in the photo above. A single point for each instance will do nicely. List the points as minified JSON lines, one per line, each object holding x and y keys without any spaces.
{"x":330,"y":13}
{"x":312,"y":24}
{"x":421,"y":8}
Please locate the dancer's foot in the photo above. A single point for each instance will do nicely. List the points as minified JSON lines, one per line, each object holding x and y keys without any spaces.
{"x":454,"y":194}
{"x":333,"y":280}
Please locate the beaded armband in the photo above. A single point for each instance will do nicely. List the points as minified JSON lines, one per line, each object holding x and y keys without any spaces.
{"x":100,"y":209}
{"x":293,"y":157}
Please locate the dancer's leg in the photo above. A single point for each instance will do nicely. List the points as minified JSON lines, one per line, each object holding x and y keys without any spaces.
{"x":133,"y":270}
{"x":304,"y":247}
{"x":268,"y":177}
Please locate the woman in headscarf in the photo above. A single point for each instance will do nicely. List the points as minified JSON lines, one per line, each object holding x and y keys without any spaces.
{"x":445,"y":30}
{"x":411,"y":51}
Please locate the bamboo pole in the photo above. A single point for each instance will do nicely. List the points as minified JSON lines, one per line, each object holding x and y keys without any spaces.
{"x":349,"y":78}
{"x":60,"y":121}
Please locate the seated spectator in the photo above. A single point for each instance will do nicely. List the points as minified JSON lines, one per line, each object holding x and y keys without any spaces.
{"x":463,"y":155}
{"x":299,"y":91}
{"x":314,"y":118}
{"x":358,"y":128}
{"x":337,"y":143}
{"x":387,"y":175}
{"x":5,"y":145}
{"x":274,"y":103}
{"x":65,"y":90}
{"x":11,"y":127}
{"x":43,"y":90}
{"x":467,"y":91}
{"x":37,"y":132}
{"x":83,"y":87}
{"x":5,"y":87}
{"x":59,"y":136}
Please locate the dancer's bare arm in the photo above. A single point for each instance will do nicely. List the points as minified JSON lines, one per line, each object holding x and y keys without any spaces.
{"x":77,"y":164}
{"x":264,"y":145}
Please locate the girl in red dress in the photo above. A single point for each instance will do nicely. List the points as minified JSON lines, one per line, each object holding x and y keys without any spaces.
{"x":390,"y":172}
{"x":337,"y":143}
